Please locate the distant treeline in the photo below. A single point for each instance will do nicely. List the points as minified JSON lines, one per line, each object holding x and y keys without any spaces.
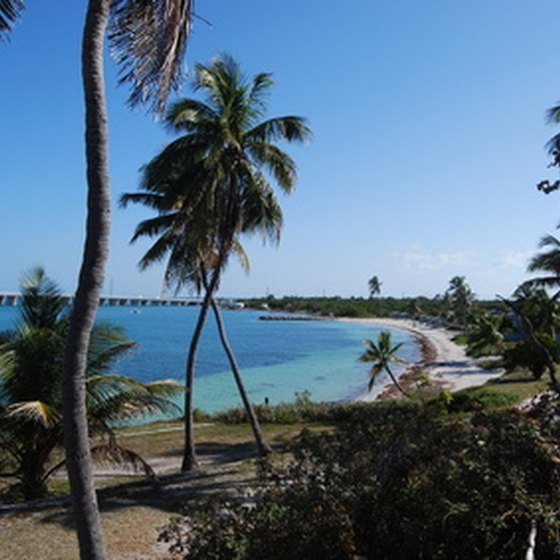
{"x":362,"y":307}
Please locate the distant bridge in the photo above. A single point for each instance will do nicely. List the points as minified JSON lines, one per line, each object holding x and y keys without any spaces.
{"x":13,"y":299}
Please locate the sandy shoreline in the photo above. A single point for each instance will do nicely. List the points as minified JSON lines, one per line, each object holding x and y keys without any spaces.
{"x":445,"y":362}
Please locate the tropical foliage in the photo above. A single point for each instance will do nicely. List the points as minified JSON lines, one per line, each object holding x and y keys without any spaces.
{"x":458,"y":299}
{"x":394,"y":481}
{"x":9,"y":12}
{"x":382,"y":352}
{"x":31,"y":387}
{"x":212,"y":185}
{"x":485,"y":335}
{"x":374,"y":286}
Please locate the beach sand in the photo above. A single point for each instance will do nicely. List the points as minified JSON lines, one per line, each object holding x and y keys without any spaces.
{"x":444,"y":361}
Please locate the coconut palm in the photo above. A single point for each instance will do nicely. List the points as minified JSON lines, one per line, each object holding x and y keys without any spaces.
{"x":485,"y":336}
{"x":537,"y":306}
{"x":382,"y":353}
{"x":212,"y":185}
{"x":374,"y":286}
{"x":31,"y":387}
{"x":148,"y":40}
{"x":459,"y":299}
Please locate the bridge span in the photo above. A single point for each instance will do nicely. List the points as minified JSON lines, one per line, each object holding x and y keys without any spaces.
{"x":14,"y":298}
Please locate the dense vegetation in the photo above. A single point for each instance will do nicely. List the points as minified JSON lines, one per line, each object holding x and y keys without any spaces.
{"x":361,"y":307}
{"x":403,"y":481}
{"x":31,"y":421}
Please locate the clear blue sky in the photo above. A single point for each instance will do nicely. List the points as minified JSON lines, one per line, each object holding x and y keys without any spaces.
{"x":429,"y":138}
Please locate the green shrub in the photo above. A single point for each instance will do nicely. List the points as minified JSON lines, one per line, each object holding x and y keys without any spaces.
{"x":394,"y":481}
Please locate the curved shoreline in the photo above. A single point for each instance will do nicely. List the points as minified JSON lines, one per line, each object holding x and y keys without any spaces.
{"x":444,"y":361}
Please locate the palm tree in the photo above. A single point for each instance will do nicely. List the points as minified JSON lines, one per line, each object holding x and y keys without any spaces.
{"x":31,"y":386}
{"x":538,"y":307}
{"x":382,"y":353}
{"x":459,"y":298}
{"x":148,"y":40}
{"x":374,"y":286}
{"x":547,"y":262}
{"x":485,"y":336}
{"x":211,"y":185}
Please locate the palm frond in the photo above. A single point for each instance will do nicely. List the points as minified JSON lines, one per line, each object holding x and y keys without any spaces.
{"x":36,"y":412}
{"x":10,"y":11}
{"x":113,"y":454}
{"x":553,"y":114}
{"x":148,"y":41}
{"x":290,"y":129}
{"x":281,"y":166}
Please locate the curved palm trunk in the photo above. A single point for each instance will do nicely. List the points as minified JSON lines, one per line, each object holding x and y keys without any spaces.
{"x":396,"y":382}
{"x":189,"y":452}
{"x":92,"y":275}
{"x":262,"y":445}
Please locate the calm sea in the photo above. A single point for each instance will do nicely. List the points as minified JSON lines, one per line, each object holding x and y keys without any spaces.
{"x":277,"y":358}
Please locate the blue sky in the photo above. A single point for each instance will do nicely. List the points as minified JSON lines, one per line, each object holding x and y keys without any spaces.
{"x":429,"y":139}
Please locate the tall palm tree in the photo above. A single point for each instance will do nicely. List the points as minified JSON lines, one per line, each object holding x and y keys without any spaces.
{"x":459,"y":298}
{"x":148,"y":40}
{"x":382,"y":353}
{"x":211,"y":185}
{"x":31,"y":386}
{"x":374,"y":286}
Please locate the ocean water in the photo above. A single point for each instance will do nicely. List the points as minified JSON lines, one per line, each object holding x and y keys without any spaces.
{"x":277,"y":358}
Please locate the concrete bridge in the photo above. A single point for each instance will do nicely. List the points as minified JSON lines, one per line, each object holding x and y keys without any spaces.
{"x":13,"y":299}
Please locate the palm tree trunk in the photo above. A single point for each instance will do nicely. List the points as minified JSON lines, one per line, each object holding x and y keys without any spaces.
{"x":189,"y":452}
{"x":396,"y":382}
{"x":263,"y":447}
{"x":92,"y":276}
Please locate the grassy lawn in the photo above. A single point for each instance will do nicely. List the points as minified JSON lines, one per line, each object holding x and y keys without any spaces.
{"x":133,"y":510}
{"x":518,"y":383}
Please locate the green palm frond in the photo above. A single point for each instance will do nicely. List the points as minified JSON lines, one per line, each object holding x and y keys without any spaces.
{"x":553,"y":114}
{"x":112,"y":455}
{"x":35,"y":412}
{"x":382,"y":352}
{"x":289,"y":129}
{"x":185,"y":116}
{"x":117,"y":397}
{"x":41,"y":302}
{"x":277,"y":162}
{"x":210,"y":182}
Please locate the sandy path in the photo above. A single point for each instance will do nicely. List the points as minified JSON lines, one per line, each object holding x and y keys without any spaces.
{"x":451,"y":367}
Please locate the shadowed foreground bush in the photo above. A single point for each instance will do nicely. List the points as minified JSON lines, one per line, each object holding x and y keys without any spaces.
{"x":394,"y":481}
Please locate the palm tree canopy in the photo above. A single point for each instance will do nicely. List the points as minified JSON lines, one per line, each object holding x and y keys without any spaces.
{"x":212,"y":184}
{"x":381,"y":353}
{"x":31,"y":374}
{"x":547,"y":262}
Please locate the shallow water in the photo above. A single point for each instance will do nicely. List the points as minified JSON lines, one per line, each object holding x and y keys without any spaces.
{"x":277,"y":358}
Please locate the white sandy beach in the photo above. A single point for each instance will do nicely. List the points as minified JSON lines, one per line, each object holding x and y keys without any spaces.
{"x":452,"y":367}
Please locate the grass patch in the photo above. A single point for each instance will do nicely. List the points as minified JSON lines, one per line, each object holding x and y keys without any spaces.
{"x":519,"y":384}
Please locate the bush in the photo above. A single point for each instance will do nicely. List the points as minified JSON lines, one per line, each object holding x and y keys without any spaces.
{"x":527,"y":355}
{"x":394,"y":481}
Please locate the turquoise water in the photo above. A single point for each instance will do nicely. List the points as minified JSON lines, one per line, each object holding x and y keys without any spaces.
{"x":277,"y":358}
